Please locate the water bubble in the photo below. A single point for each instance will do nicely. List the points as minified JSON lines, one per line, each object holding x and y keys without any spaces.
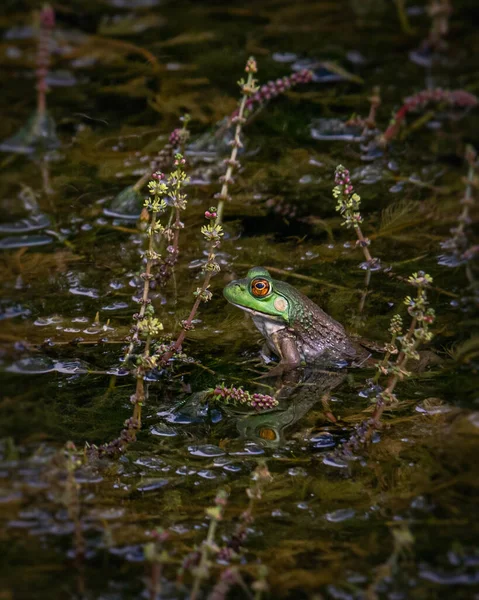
{"x":71,"y":367}
{"x":297,"y":472}
{"x":339,"y":515}
{"x":335,"y":461}
{"x":206,"y":451}
{"x":11,"y":311}
{"x":163,"y":430}
{"x":46,"y":321}
{"x":115,"y":306}
{"x":151,"y":462}
{"x":207,"y":474}
{"x":151,"y":485}
{"x":83,"y":291}
{"x":34,"y":365}
{"x":185,"y":470}
{"x":284,"y":57}
{"x":233,"y":468}
{"x":32,"y":223}
{"x":323,"y":440}
{"x":24,"y":241}
{"x":334,"y":130}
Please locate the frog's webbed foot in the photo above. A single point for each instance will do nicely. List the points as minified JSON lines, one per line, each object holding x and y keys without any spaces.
{"x":284,"y":374}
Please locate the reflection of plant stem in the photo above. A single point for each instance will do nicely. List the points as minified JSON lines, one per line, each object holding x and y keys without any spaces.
{"x":47,"y":23}
{"x":402,"y":16}
{"x":205,"y":548}
{"x":365,"y":291}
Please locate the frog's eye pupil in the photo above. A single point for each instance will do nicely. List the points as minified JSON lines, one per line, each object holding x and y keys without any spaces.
{"x":260,"y":287}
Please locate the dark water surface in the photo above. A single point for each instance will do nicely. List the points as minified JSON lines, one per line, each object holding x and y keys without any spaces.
{"x":400,"y":520}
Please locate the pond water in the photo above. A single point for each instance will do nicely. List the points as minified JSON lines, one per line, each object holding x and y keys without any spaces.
{"x":397,"y":517}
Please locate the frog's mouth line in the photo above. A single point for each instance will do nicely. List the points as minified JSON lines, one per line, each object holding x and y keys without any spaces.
{"x":258,"y":313}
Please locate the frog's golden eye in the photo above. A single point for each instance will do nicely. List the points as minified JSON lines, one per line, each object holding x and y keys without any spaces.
{"x":260,"y":287}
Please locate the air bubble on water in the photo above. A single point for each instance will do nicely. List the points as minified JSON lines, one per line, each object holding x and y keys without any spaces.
{"x":84,"y":291}
{"x":12,"y":311}
{"x":284,"y":57}
{"x":151,"y":485}
{"x":33,"y":365}
{"x":232,"y":468}
{"x":396,"y":188}
{"x":206,"y":451}
{"x":333,"y":461}
{"x":323,"y":440}
{"x":185,"y":470}
{"x":24,"y":241}
{"x":334,"y":130}
{"x":182,"y":419}
{"x":163,"y":430}
{"x":207,"y":474}
{"x":46,"y":321}
{"x":115,"y":306}
{"x":151,"y":462}
{"x":342,"y":514}
{"x":71,"y":367}
{"x":221,"y":461}
{"x":297,"y":472}
{"x":27,"y":225}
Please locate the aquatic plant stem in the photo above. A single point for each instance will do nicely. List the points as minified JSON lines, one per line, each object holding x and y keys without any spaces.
{"x":204,"y":558}
{"x":453,"y":98}
{"x":47,"y":23}
{"x":468,"y":200}
{"x":214,"y":232}
{"x":147,"y":276}
{"x":247,"y":90}
{"x":215,"y":514}
{"x":417,"y":333}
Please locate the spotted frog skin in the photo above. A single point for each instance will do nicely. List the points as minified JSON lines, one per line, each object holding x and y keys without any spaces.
{"x":294,"y":327}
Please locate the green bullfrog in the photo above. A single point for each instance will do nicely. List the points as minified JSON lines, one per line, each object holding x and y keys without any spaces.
{"x":294,"y":327}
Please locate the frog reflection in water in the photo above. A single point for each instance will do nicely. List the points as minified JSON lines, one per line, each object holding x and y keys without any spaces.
{"x":294,"y":327}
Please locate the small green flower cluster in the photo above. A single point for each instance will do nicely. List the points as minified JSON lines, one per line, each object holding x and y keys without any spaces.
{"x":348,"y":200}
{"x":405,"y":346}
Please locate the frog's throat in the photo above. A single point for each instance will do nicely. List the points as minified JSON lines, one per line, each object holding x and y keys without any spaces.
{"x":261,"y":315}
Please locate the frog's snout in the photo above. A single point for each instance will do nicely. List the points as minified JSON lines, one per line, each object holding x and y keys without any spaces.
{"x":232,"y":289}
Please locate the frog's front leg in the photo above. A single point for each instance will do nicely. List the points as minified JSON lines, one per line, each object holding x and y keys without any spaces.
{"x":286,"y":348}
{"x":290,"y":356}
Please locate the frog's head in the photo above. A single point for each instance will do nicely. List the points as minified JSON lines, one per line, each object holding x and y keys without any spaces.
{"x":258,"y":294}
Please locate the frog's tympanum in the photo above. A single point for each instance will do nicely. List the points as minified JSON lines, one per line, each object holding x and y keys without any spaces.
{"x":294,"y":327}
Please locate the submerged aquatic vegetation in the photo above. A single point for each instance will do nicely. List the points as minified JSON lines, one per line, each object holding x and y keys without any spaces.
{"x":39,"y":133}
{"x":461,"y":250}
{"x":450,"y":98}
{"x":127,"y":204}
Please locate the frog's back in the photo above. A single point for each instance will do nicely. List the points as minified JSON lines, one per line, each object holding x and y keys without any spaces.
{"x":317,"y":332}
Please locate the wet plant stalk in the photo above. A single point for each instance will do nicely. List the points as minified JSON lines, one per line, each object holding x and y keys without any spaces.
{"x":215,"y":514}
{"x":214,"y":231}
{"x":417,"y":333}
{"x":47,"y":23}
{"x":247,"y":89}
